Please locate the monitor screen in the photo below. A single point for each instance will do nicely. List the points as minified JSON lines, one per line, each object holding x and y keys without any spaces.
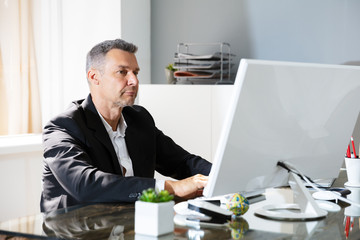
{"x":302,"y":113}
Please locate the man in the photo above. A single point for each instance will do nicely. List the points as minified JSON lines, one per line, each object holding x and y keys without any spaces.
{"x":105,"y":149}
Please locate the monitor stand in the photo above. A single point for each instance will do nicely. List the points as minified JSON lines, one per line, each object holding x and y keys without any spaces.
{"x":304,"y":207}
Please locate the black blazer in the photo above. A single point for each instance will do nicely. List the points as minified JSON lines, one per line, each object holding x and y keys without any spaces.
{"x":81,"y":166}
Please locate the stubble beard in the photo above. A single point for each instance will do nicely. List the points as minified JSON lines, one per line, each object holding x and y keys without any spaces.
{"x":128,"y":101}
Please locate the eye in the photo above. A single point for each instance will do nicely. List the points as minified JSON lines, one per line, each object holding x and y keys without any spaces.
{"x":122,"y":72}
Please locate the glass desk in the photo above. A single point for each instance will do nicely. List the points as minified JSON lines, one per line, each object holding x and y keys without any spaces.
{"x":116,"y":221}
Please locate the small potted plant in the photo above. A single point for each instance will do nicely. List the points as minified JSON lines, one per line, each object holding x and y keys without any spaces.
{"x":169,"y":73}
{"x":154,"y":213}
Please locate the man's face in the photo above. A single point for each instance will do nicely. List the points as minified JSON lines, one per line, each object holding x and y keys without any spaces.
{"x":118,"y":79}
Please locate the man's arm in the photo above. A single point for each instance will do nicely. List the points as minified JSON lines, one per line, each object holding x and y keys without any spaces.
{"x":192,"y":170}
{"x":176,"y":162}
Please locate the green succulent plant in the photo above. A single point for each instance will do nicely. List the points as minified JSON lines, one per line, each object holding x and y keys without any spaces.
{"x":150,"y":195}
{"x":171,"y":67}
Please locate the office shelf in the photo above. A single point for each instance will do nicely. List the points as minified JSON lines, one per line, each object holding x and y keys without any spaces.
{"x":213,"y":68}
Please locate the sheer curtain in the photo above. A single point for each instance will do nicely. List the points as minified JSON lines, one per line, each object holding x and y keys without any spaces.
{"x":19,"y":89}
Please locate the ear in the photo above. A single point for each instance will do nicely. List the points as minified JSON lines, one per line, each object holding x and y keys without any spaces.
{"x":93,"y":76}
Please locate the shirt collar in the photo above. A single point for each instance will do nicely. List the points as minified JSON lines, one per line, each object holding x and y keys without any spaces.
{"x":121,"y":127}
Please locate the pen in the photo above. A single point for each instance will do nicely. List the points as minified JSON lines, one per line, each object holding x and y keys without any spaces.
{"x":348,"y":154}
{"x":353,"y":145}
{"x":347,"y":227}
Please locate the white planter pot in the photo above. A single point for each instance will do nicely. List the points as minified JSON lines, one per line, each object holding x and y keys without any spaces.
{"x":169,"y":76}
{"x":154,"y":219}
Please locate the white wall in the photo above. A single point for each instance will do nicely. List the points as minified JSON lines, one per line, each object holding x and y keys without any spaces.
{"x":20,"y":175}
{"x":135,"y":28}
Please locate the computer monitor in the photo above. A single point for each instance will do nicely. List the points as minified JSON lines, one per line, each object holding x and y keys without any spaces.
{"x":302,"y":113}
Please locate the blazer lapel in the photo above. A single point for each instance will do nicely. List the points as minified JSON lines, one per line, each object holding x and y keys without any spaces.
{"x":94,"y":122}
{"x":137,"y":145}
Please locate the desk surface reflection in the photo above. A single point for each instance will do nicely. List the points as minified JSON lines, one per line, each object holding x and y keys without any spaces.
{"x":116,"y":221}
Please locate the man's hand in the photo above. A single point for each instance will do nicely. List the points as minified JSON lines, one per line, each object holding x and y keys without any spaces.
{"x":187,"y":188}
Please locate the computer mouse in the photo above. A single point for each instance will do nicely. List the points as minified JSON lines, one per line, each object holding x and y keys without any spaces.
{"x":343,"y":191}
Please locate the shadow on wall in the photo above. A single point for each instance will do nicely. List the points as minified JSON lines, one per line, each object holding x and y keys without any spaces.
{"x":354,"y":63}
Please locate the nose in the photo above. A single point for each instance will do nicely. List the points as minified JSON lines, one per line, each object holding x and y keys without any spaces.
{"x":132,"y":79}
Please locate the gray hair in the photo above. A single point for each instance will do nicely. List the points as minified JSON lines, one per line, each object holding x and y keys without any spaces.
{"x":95,"y":58}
